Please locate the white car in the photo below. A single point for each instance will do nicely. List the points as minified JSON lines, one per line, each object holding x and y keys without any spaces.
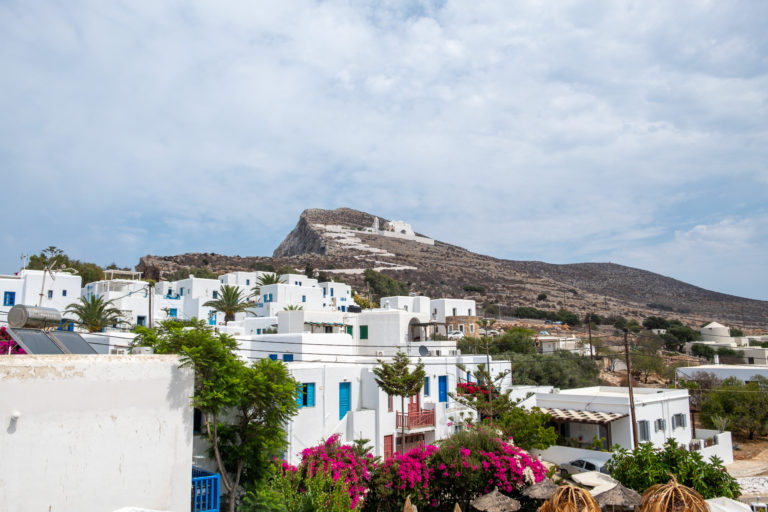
{"x":455,"y":335}
{"x":582,"y":465}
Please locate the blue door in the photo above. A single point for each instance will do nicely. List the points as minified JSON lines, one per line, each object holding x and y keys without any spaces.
{"x":345,"y":395}
{"x":442,"y":388}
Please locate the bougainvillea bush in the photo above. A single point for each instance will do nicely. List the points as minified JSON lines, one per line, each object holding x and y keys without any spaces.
{"x":463,"y":467}
{"x":334,"y":462}
{"x":7,"y":345}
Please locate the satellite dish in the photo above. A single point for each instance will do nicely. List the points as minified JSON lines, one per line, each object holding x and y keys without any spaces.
{"x":423,"y":351}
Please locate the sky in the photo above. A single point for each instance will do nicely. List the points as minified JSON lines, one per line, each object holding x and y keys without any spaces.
{"x":632,"y":132}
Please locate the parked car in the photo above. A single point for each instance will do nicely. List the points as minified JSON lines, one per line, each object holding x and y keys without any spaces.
{"x":581,"y":466}
{"x":455,"y":335}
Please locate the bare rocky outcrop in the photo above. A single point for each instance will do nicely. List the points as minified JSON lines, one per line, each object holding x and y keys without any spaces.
{"x":343,"y":242}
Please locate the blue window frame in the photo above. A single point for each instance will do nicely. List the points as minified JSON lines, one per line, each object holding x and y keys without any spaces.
{"x":426,"y":386}
{"x":258,"y":331}
{"x":469,"y":376}
{"x":173,"y":312}
{"x":141,"y":320}
{"x":325,"y":291}
{"x":50,"y":294}
{"x":307,"y":396}
{"x":288,"y":358}
{"x":331,"y":292}
{"x":442,"y":388}
{"x":343,"y":309}
{"x":63,"y":293}
{"x":303,"y":298}
{"x":247,"y":282}
{"x":363,"y":332}
{"x":215,"y":294}
{"x":273,"y":357}
{"x":9,"y":299}
{"x":181,"y":293}
{"x":211,"y":318}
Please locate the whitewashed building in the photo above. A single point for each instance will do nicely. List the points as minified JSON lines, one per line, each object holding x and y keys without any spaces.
{"x":584,"y":415}
{"x":37,"y":288}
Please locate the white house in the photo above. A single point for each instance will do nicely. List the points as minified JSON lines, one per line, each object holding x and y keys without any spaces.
{"x":586,"y":415}
{"x":442,"y":308}
{"x":37,"y":288}
{"x":548,"y":344}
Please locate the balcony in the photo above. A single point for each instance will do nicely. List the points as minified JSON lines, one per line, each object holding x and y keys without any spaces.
{"x":205,"y":490}
{"x":416,"y":420}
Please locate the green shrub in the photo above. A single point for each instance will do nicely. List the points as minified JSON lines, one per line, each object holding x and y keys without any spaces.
{"x":645,"y":466}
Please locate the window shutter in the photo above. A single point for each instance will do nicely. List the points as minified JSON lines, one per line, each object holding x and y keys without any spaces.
{"x":311,"y":395}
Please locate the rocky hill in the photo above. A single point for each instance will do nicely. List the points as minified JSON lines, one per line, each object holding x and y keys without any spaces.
{"x":344,"y":242}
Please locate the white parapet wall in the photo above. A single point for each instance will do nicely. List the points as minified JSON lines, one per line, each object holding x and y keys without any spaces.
{"x":95,"y":433}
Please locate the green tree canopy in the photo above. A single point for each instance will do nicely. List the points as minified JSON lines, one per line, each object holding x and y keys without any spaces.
{"x":245,"y":407}
{"x":645,"y":466}
{"x":398,"y":379}
{"x":230,"y":302}
{"x":384,"y":286}
{"x":54,"y":259}
{"x":561,"y":369}
{"x":518,"y":339}
{"x":94,"y":313}
{"x":745,"y":405}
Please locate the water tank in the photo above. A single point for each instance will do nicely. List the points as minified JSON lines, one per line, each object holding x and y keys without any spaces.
{"x":33,"y":317}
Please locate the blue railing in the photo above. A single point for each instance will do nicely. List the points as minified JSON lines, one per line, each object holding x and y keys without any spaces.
{"x":205,"y":490}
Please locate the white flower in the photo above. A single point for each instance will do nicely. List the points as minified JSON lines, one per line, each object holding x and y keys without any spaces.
{"x":528,"y":475}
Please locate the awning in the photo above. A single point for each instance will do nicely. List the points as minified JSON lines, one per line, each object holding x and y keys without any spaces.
{"x":577,"y":416}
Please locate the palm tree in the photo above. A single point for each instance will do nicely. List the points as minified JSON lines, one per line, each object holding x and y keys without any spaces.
{"x":292,"y":307}
{"x":94,"y":313}
{"x":264,"y":280}
{"x":230,"y":302}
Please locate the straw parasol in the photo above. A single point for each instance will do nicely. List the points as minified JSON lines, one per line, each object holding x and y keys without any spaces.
{"x":569,"y":498}
{"x":542,"y":490}
{"x":619,"y":496}
{"x":494,"y":501}
{"x":672,"y":497}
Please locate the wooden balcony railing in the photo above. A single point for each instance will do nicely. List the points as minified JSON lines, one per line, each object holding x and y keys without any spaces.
{"x":416,"y":419}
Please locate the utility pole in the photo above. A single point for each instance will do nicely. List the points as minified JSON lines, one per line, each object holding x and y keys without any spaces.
{"x":589,"y":333}
{"x":150,"y":290}
{"x":629,"y":386}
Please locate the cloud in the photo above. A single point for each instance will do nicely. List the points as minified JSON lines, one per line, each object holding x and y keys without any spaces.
{"x":558,"y":132}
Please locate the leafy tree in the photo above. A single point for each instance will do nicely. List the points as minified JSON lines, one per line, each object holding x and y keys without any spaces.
{"x":517,"y":339}
{"x":646,"y":364}
{"x":473,"y":288}
{"x":245,"y":408}
{"x":568,"y":317}
{"x":745,"y":405}
{"x":384,"y":286}
{"x":736,"y":333}
{"x":264,"y":280}
{"x":593,"y":318}
{"x":702,"y":350}
{"x":633,"y":325}
{"x":363,"y":302}
{"x":561,"y":369}
{"x":701,"y":383}
{"x":230,"y":302}
{"x":94,"y":313}
{"x":397,"y":379}
{"x":309,"y":271}
{"x":618,"y":322}
{"x":645,"y":466}
{"x":184,"y":273}
{"x":655,"y":322}
{"x":54,"y":259}
{"x":323,"y":277}
{"x":541,"y":296}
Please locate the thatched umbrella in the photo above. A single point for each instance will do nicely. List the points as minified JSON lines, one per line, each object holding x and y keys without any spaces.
{"x":494,"y":501}
{"x":569,"y":498}
{"x":542,"y":490}
{"x":619,"y":496}
{"x":672,"y":497}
